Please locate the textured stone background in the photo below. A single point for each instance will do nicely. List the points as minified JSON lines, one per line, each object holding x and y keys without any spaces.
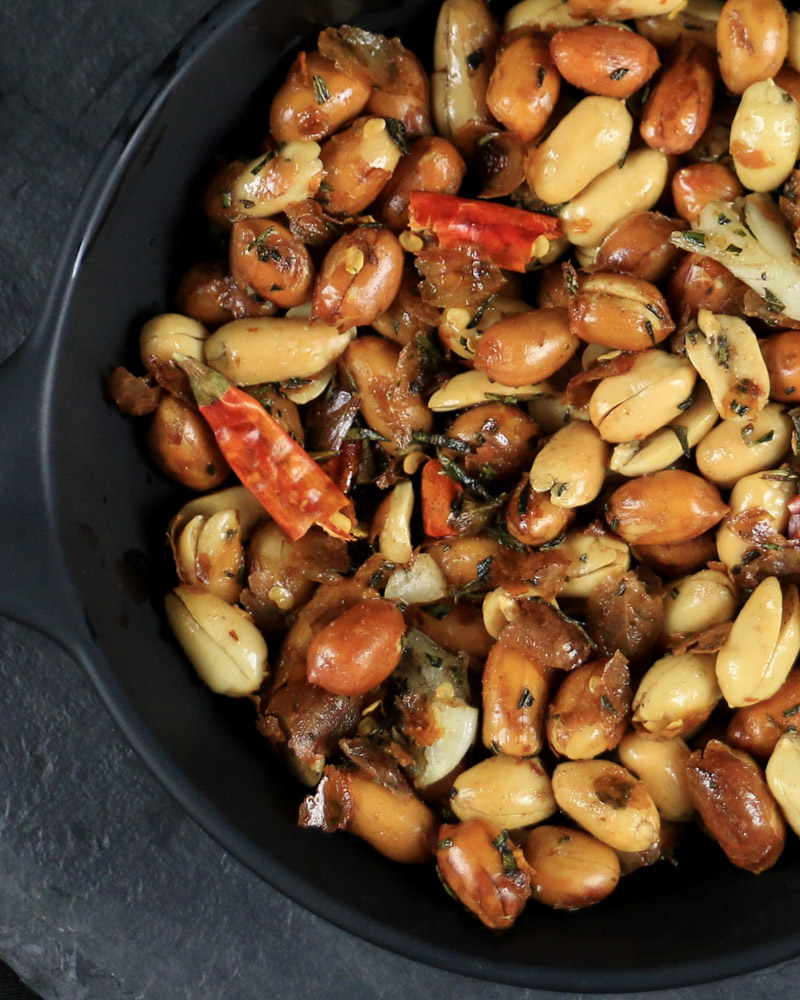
{"x":108,"y":891}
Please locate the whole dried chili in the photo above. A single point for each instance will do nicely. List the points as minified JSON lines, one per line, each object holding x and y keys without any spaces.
{"x":503,"y":234}
{"x":277,"y":471}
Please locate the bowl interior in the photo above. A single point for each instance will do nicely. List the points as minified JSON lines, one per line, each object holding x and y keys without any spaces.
{"x":664,"y":927}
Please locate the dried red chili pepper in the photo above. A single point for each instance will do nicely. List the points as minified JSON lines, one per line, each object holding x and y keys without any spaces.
{"x":277,"y":471}
{"x":505,"y":235}
{"x":438,"y":493}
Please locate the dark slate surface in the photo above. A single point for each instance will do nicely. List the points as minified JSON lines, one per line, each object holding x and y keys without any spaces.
{"x":108,"y":891}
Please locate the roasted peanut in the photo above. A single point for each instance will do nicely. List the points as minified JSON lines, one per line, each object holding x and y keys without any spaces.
{"x":315,"y":99}
{"x":725,"y":352}
{"x":571,"y":466}
{"x":699,"y":184}
{"x":639,"y":245}
{"x":757,"y":728}
{"x":669,"y":506}
{"x":571,"y":869}
{"x":620,"y":10}
{"x":420,"y":582}
{"x":605,"y":59}
{"x":758,"y":492}
{"x":781,"y":353}
{"x":358,"y":650}
{"x":697,"y":20}
{"x":619,"y":311}
{"x":763,"y":645}
{"x":788,"y":79}
{"x":678,"y":558}
{"x":697,"y":602}
{"x":464,"y":560}
{"x":634,"y":186}
{"x":357,"y":163}
{"x":526,"y":348}
{"x":266,"y":257}
{"x":457,"y":627}
{"x":504,"y":604}
{"x":222,"y":643}
{"x":208,"y":294}
{"x":558,"y":168}
{"x":276,"y":179}
{"x":392,"y":524}
{"x":765,"y":136}
{"x":407,"y":314}
{"x":431,"y":164}
{"x":388,"y":408}
{"x":359,"y":278}
{"x":793,"y":51}
{"x":509,"y":792}
{"x":183,"y":446}
{"x":208,"y":554}
{"x":589,"y":712}
{"x":630,"y":406}
{"x":783,"y":777}
{"x":593,"y":556}
{"x":541,"y":15}
{"x":731,"y":794}
{"x":273,"y":349}
{"x":608,"y":802}
{"x":533,"y":519}
{"x":515,"y":692}
{"x":676,"y":696}
{"x":551,"y":411}
{"x":732,"y":450}
{"x":701,"y":283}
{"x":524,"y":85}
{"x":752,"y":42}
{"x":460,"y":329}
{"x":500,"y":438}
{"x":249,"y":511}
{"x":485,"y":869}
{"x":473,"y":387}
{"x":679,"y":108}
{"x":661,"y":765}
{"x":167,"y":334}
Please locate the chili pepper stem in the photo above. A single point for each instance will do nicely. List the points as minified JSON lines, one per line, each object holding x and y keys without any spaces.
{"x":207,"y":385}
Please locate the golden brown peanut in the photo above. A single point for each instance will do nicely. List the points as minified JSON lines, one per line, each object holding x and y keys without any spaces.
{"x":358,"y":650}
{"x":526,"y":348}
{"x":501,"y":438}
{"x":208,"y":294}
{"x":571,"y":466}
{"x":509,"y":792}
{"x":571,"y":869}
{"x":634,"y":185}
{"x":783,"y":777}
{"x":222,"y":643}
{"x":456,"y":627}
{"x":274,"y":180}
{"x":699,"y":184}
{"x":315,"y":99}
{"x":460,"y":329}
{"x":620,"y":10}
{"x":515,"y":692}
{"x":357,"y":163}
{"x":781,"y":353}
{"x":524,"y":85}
{"x":273,"y":349}
{"x":359,"y":278}
{"x":605,"y":59}
{"x":619,"y":311}
{"x":217,"y":198}
{"x":208,"y":553}
{"x":589,"y":712}
{"x":667,"y":507}
{"x":726,"y":354}
{"x":558,"y":168}
{"x":760,"y":492}
{"x":485,"y":869}
{"x":630,"y":406}
{"x":661,"y":765}
{"x":431,"y":164}
{"x":679,"y":107}
{"x":701,"y":283}
{"x":762,"y":647}
{"x":540,"y":15}
{"x":459,"y":559}
{"x":407,"y":97}
{"x":608,"y":802}
{"x":593,"y":556}
{"x":752,"y":42}
{"x":533,"y":519}
{"x":793,"y":52}
{"x":757,"y":728}
{"x":387,"y":408}
{"x":678,"y":558}
{"x":765,"y":136}
{"x":264,"y":256}
{"x":732,"y":451}
{"x":697,"y":20}
{"x":731,"y":794}
{"x":407,"y":314}
{"x":183,"y":446}
{"x":697,"y":602}
{"x":639,"y":245}
{"x":464,"y":49}
{"x":676,"y":696}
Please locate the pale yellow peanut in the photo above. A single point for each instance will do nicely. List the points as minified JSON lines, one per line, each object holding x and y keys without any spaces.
{"x":621,"y":10}
{"x":393,"y":523}
{"x":661,"y":765}
{"x":608,"y":802}
{"x":783,"y":777}
{"x":504,"y":604}
{"x":208,"y":553}
{"x":167,"y":334}
{"x":571,"y":466}
{"x":541,"y":15}
{"x":765,"y":136}
{"x":733,"y":450}
{"x":473,"y":388}
{"x":592,"y":557}
{"x":271,"y":182}
{"x":676,"y":696}
{"x":505,"y":790}
{"x":248,"y":510}
{"x":698,"y":601}
{"x":767,"y":492}
{"x":421,"y":581}
{"x":762,"y":646}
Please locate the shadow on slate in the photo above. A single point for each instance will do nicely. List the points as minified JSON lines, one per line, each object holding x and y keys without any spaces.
{"x":12,"y":987}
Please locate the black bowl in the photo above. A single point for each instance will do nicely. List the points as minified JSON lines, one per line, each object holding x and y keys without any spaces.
{"x":84,"y":565}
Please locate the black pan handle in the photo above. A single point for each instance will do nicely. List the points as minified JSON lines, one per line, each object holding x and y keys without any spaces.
{"x":34,"y":586}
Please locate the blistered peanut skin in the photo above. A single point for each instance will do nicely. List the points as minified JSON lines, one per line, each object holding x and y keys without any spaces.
{"x":752,"y":42}
{"x":526,"y":348}
{"x":500,"y":436}
{"x":266,"y":257}
{"x":571,"y":869}
{"x":620,"y":312}
{"x":699,"y":184}
{"x":183,"y":446}
{"x":731,"y":794}
{"x":492,"y":881}
{"x":639,"y":245}
{"x":432,"y":164}
{"x":769,"y":496}
{"x":533,"y":519}
{"x":781,"y":352}
{"x":524,"y":85}
{"x":589,"y":712}
{"x":358,"y":650}
{"x":679,"y":108}
{"x":604,"y":59}
{"x":667,"y":507}
{"x":757,"y":728}
{"x":393,"y":821}
{"x":297,"y":111}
